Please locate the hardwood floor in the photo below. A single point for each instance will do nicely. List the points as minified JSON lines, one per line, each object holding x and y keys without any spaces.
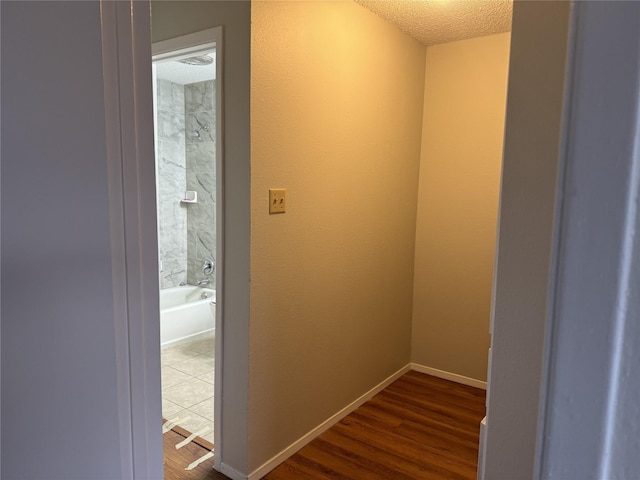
{"x":175,"y":460}
{"x":420,"y":427}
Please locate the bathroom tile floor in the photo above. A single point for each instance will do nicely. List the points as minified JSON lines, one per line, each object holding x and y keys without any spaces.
{"x":187,"y":384}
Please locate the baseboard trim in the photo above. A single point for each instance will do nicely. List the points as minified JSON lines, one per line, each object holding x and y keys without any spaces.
{"x":324,"y":426}
{"x":230,"y":472}
{"x":454,"y":377}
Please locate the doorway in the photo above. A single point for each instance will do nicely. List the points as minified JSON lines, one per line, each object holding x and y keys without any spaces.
{"x":188,"y":161}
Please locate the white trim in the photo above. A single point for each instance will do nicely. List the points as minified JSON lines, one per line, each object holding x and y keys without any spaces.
{"x":230,"y":472}
{"x":482,"y":448}
{"x":323,"y":427}
{"x":188,"y":45}
{"x":132,"y":213}
{"x":172,"y":49}
{"x":556,"y":238}
{"x":587,"y":425}
{"x":218,"y":35}
{"x":117,"y":231}
{"x":454,"y":377}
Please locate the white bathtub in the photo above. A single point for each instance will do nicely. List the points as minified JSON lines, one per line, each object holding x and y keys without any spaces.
{"x":184,"y":313}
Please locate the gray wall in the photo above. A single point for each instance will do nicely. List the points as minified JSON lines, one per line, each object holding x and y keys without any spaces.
{"x":59,"y":387}
{"x":527,"y":207}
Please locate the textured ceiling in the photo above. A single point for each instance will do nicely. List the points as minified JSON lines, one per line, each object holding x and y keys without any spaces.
{"x":441,"y":21}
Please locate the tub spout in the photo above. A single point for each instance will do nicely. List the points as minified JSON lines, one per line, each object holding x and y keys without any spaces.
{"x":203,"y":282}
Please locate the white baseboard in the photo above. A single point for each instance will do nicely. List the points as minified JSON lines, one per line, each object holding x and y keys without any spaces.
{"x":230,"y":472}
{"x":324,"y":426}
{"x":454,"y":377}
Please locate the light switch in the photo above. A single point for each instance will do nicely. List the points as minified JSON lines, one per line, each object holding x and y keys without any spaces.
{"x":277,"y":200}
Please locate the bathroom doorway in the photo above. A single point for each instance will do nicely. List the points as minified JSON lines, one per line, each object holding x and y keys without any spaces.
{"x":188,"y":160}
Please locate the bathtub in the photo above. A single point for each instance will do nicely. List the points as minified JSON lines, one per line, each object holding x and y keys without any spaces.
{"x":184,"y":313}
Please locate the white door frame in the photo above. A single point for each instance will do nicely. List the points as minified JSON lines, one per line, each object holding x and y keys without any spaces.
{"x":589,"y":424}
{"x":127,"y":62}
{"x":126,"y":38}
{"x":126,"y":50}
{"x":190,"y":45}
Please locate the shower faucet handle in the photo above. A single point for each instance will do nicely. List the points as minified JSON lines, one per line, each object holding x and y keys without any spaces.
{"x":208,"y":266}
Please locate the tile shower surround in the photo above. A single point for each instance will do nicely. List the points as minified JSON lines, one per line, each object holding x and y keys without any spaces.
{"x":201,"y":176}
{"x":186,"y":162}
{"x":171,"y":165}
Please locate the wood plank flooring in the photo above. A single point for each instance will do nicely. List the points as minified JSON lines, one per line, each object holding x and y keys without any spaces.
{"x":175,"y":460}
{"x":420,"y":427}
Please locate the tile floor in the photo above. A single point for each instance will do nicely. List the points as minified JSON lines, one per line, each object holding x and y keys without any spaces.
{"x":187,"y":384}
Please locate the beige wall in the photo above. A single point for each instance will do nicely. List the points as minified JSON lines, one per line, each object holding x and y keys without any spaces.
{"x":464,"y":107}
{"x":172,"y":19}
{"x":336,"y":114}
{"x":336,"y":118}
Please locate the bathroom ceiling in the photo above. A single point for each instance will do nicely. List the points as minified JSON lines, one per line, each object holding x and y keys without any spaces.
{"x":178,"y":72}
{"x":441,"y":21}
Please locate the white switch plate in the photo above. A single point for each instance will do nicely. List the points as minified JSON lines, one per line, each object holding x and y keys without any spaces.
{"x":277,"y":200}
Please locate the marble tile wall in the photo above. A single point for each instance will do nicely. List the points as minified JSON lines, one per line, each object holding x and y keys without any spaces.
{"x":171,"y":164}
{"x":200,"y":176}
